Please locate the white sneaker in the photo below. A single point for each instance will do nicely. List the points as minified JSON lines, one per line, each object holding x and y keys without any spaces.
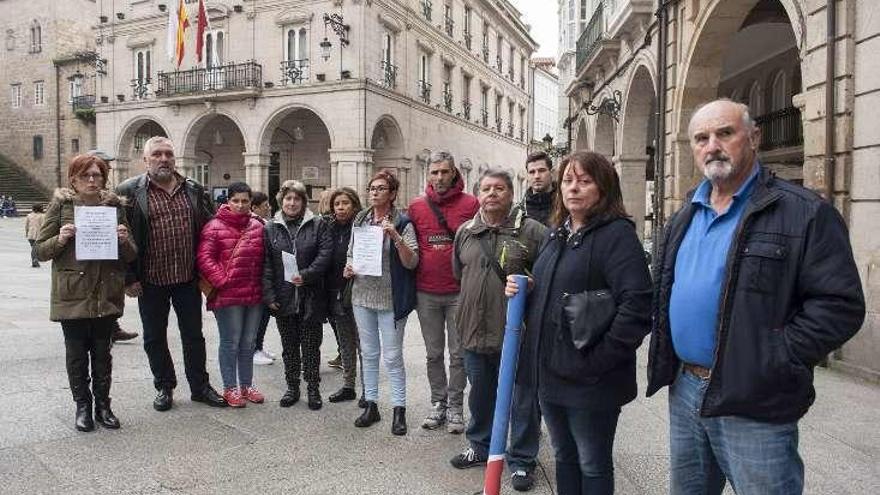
{"x":269,"y":354}
{"x":260,"y":357}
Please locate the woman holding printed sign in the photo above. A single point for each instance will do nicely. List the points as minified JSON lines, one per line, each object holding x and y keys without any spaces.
{"x":383,"y":293}
{"x":587,"y":313}
{"x":299,"y":250}
{"x":87,"y":294}
{"x":230,"y":259}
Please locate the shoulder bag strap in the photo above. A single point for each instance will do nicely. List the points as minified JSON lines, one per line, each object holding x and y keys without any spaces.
{"x":483,"y":240}
{"x":439,"y":214}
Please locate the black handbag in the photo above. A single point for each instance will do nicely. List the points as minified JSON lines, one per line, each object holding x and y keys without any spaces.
{"x":588,"y":315}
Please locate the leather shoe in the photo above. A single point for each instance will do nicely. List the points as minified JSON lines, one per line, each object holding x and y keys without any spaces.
{"x":314,"y":396}
{"x":289,"y":398}
{"x":83,"y":420}
{"x":369,"y":416}
{"x":398,"y":423}
{"x":105,"y":417}
{"x":120,"y":335}
{"x":362,"y":403}
{"x":163,"y":399}
{"x":210,"y":397}
{"x":342,"y":395}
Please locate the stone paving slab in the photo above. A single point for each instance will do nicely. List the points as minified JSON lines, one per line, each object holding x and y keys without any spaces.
{"x":194,"y":449}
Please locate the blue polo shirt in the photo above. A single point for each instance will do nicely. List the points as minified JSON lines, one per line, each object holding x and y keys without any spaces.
{"x":700,"y":272}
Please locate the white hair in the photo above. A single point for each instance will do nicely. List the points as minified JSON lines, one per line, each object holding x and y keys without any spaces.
{"x":155,"y":141}
{"x":747,"y":121}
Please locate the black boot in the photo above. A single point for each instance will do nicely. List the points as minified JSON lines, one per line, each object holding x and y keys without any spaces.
{"x":369,"y":416}
{"x":102,"y":371}
{"x":398,"y":424}
{"x":290,"y":397}
{"x":315,"y":401}
{"x":362,"y":403}
{"x":104,"y":416}
{"x":83,"y":420}
{"x":342,"y":395}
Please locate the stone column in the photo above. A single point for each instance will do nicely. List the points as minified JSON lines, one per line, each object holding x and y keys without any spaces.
{"x":631,"y":169}
{"x":256,"y":171}
{"x":351,"y":167}
{"x":119,"y":171}
{"x":186,"y":166}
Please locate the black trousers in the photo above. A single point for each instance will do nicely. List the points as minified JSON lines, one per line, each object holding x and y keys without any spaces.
{"x":87,"y":341}
{"x":154,"y":306}
{"x":300,"y":350}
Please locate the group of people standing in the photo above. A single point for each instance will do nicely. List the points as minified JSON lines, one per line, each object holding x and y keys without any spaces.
{"x":753,"y":284}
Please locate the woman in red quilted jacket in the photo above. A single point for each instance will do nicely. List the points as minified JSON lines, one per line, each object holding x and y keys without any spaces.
{"x":230,"y":257}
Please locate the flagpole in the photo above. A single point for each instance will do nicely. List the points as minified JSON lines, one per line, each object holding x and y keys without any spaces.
{"x":501,"y":419}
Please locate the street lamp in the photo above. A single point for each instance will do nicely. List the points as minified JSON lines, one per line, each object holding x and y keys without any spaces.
{"x":338,"y":25}
{"x":609,"y":106}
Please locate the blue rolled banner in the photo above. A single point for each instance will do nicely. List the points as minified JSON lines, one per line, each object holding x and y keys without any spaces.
{"x":501,"y":420}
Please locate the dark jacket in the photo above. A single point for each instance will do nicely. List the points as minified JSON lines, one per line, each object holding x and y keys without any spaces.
{"x":313,"y":246}
{"x":482,"y":306}
{"x":604,"y":254}
{"x":82,"y":289}
{"x":341,"y":235}
{"x":791,"y":295}
{"x":538,"y":205}
{"x":134,"y":190}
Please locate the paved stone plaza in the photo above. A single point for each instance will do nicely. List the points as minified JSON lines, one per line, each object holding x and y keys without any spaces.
{"x":266,"y":449}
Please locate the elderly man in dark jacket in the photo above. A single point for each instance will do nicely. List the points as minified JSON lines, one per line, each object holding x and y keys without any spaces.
{"x":755,"y":283}
{"x":166,"y":212}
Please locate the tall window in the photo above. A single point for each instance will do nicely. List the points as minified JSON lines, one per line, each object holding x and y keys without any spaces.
{"x":780,"y":93}
{"x":499,"y":60}
{"x":297,"y":47}
{"x":467,"y":27}
{"x":143,"y":67}
{"x":447,"y":87}
{"x":510,"y":59}
{"x":571,"y":25}
{"x":38,"y":147}
{"x":756,"y":104}
{"x":76,"y":87}
{"x":485,"y":44}
{"x":16,"y":95}
{"x":424,"y":77}
{"x":583,"y":17}
{"x":36,"y":37}
{"x":39,"y":93}
{"x":215,"y":49}
{"x":388,"y":48}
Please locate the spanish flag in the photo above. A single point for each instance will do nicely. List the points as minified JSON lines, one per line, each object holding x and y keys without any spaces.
{"x":178,"y":21}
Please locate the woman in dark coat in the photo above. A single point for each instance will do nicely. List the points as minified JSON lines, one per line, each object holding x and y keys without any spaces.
{"x":298,"y":304}
{"x":87,"y":295}
{"x":581,"y":390}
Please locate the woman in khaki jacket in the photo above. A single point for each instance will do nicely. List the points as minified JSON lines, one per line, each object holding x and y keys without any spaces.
{"x":32,"y":225}
{"x":87,"y":295}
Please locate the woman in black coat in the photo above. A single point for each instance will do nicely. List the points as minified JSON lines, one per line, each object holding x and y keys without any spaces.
{"x":581,"y":388}
{"x":298,"y":304}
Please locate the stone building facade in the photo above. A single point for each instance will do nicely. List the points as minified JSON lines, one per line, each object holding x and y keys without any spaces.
{"x":281,"y":96}
{"x":770,"y":54}
{"x":47,"y":85}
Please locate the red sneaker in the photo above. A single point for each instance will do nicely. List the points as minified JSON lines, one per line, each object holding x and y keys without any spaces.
{"x":234,"y":398}
{"x":252,"y":394}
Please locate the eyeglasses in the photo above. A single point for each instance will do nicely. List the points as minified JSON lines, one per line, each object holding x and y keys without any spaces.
{"x":90,"y":177}
{"x":378,"y":189}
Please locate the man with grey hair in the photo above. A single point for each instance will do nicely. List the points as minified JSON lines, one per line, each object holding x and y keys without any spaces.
{"x":499,"y":241}
{"x":755,"y":284}
{"x":436,"y":216}
{"x":166,"y":212}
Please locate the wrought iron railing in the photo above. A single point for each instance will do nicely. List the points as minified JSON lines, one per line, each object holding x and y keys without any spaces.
{"x":484,"y":117}
{"x":522,"y":134}
{"x":467,"y":40}
{"x":83,"y":102}
{"x":449,"y":25}
{"x":389,"y":74}
{"x":426,"y":9}
{"x":590,"y":38}
{"x":498,"y":124}
{"x":485,"y":53}
{"x":447,"y":100}
{"x":229,"y":77}
{"x":510,"y":73}
{"x":781,"y":129}
{"x":294,"y":71}
{"x":499,"y":63}
{"x":141,"y":88}
{"x":466,"y":109}
{"x":510,"y":130}
{"x":425,"y":91}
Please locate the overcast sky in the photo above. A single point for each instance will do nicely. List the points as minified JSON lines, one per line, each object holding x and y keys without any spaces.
{"x":542,"y":16}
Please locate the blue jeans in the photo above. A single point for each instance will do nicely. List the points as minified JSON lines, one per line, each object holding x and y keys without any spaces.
{"x":756,"y":457}
{"x":154,"y":305}
{"x":584,"y":441}
{"x":381,"y":335}
{"x":238,"y":329}
{"x":482,"y":372}
{"x":525,"y":429}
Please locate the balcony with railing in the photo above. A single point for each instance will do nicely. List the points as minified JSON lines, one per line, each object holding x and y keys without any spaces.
{"x":424,"y":89}
{"x":625,"y":16}
{"x":593,"y":43}
{"x":522,"y":134}
{"x":484,"y":117}
{"x":509,"y":132}
{"x":230,"y":79}
{"x":499,"y":63}
{"x":781,"y":129}
{"x":82,"y":102}
{"x":426,"y":9}
{"x":447,"y":100}
{"x":485,"y":52}
{"x":499,"y":124}
{"x":466,"y":109}
{"x":141,"y":88}
{"x":389,"y":74}
{"x":448,"y":25}
{"x":294,"y":71}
